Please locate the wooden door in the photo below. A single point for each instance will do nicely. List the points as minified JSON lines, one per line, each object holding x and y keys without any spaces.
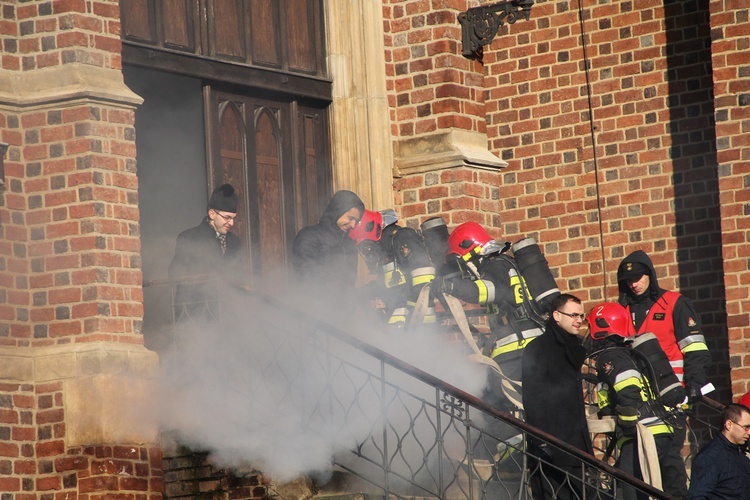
{"x":274,"y":153}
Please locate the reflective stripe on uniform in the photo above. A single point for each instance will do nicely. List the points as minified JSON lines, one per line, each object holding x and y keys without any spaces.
{"x":691,"y":339}
{"x":526,"y":334}
{"x":626,"y":379}
{"x":398,"y":316}
{"x":483,"y":291}
{"x":695,"y":346}
{"x":678,"y":366}
{"x":392,"y":276}
{"x":510,"y":347}
{"x":655,"y":430}
{"x":660,"y":429}
{"x":422,"y":275}
{"x":602,"y":395}
{"x":490,"y":292}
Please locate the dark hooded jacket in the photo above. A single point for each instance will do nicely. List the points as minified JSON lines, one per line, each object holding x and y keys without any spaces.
{"x":687,"y":329}
{"x":553,"y":391}
{"x":322,"y":254}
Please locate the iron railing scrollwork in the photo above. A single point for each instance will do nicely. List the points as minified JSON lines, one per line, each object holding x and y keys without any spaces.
{"x":411,"y":434}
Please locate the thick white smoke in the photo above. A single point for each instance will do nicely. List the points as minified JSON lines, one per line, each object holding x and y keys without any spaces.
{"x":266,"y":390}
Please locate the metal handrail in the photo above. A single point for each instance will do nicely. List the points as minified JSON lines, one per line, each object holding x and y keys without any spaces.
{"x":453,"y":410}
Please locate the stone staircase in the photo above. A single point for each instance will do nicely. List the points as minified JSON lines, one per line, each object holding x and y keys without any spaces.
{"x":189,"y":475}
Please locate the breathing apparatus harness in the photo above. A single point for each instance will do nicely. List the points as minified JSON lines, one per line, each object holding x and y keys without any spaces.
{"x":663,"y":390}
{"x":527,"y":256}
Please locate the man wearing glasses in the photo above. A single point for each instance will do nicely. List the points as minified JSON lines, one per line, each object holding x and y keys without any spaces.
{"x":721,"y":469}
{"x":204,"y":251}
{"x":553,"y":399}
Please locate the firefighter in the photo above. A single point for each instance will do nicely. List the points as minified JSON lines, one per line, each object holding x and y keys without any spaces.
{"x":672,"y":318}
{"x":491,"y":279}
{"x":399,"y":257}
{"x":626,"y":392}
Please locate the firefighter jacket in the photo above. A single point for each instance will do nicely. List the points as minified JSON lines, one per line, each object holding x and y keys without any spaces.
{"x":322,"y":254}
{"x":553,"y":391}
{"x":625,"y":392}
{"x":500,"y":289}
{"x":407,"y":270}
{"x":671,"y":317}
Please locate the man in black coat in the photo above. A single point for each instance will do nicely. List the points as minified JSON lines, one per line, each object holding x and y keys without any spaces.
{"x":206,"y":251}
{"x":553,"y":399}
{"x":322,"y":254}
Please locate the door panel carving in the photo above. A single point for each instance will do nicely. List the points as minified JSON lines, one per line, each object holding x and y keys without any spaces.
{"x":140,"y":23}
{"x":232,"y":151}
{"x":265,"y":45}
{"x":282,"y":34}
{"x":226,"y":29}
{"x":274,"y":153}
{"x":270,"y":189}
{"x":178,"y":24}
{"x":265,"y":105}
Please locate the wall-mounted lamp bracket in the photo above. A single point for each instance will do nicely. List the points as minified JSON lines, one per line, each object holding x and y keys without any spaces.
{"x":479,"y":25}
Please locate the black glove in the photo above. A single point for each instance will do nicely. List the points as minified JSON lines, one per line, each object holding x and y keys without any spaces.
{"x":628,"y":428}
{"x":629,"y":431}
{"x":693,"y":394}
{"x":445,"y":284}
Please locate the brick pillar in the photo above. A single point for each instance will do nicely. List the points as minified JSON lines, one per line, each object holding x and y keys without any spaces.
{"x":731,"y":83}
{"x":437,"y":100}
{"x":76,"y":383}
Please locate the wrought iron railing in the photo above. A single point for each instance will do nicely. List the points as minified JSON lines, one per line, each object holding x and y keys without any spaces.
{"x":408,"y":433}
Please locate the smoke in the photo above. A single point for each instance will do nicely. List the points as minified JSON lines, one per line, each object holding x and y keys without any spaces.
{"x":260,"y":388}
{"x":268,"y":390}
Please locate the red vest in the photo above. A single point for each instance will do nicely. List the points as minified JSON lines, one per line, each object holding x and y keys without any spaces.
{"x":660,"y":322}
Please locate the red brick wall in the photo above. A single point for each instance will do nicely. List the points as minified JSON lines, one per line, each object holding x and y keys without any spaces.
{"x":43,"y":34}
{"x":600,"y":162}
{"x":72,"y":216}
{"x":431,"y":87}
{"x":69,"y":242}
{"x":730,"y":50}
{"x":70,"y":257}
{"x":35,"y":459}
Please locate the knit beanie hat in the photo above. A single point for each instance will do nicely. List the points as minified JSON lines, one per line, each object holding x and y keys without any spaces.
{"x":224,"y":199}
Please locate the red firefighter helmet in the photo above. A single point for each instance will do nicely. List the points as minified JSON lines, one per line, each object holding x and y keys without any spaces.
{"x":609,"y":318}
{"x":369,"y":227}
{"x":744,"y":400}
{"x":467,"y":240}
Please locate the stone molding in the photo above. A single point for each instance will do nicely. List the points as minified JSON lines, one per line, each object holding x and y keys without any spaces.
{"x":361,"y":144}
{"x":64,"y":85}
{"x":445,"y":149}
{"x":109,"y":390}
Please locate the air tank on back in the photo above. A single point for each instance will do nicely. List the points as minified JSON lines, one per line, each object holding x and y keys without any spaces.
{"x":670,"y":390}
{"x":435,"y":235}
{"x":536,"y":273}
